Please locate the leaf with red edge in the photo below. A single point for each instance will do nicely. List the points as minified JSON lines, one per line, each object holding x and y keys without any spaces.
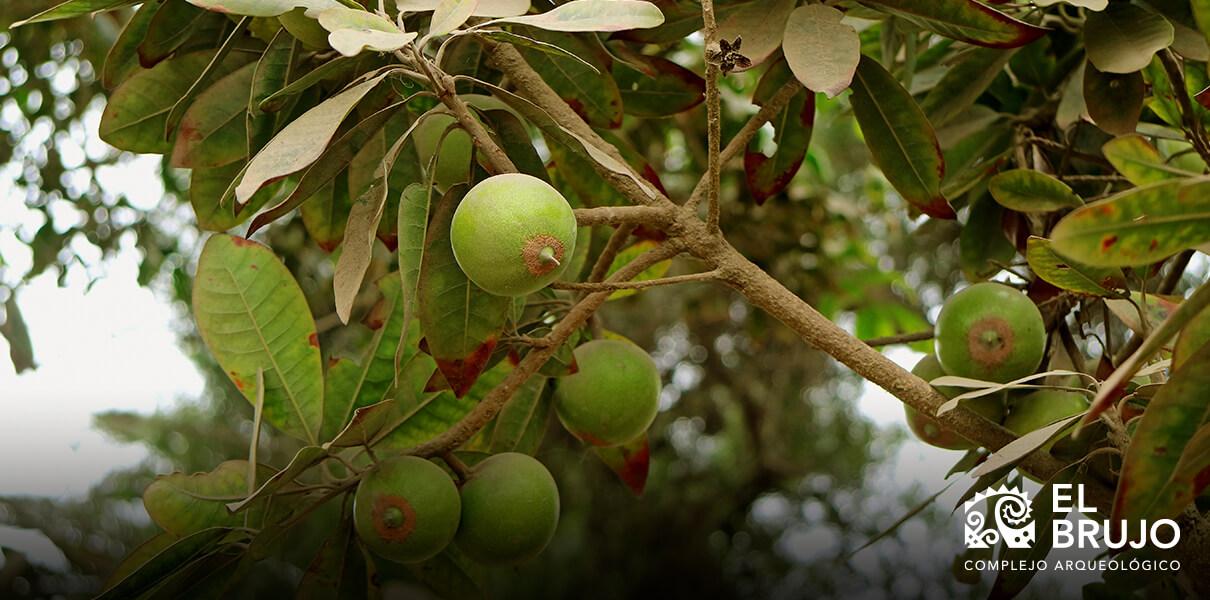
{"x":1203,"y":97}
{"x":768,"y":176}
{"x":902,"y":142}
{"x":630,"y":461}
{"x":662,"y":88}
{"x":965,"y":20}
{"x":460,"y":322}
{"x":1166,"y":463}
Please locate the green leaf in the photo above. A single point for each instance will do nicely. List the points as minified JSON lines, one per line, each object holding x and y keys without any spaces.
{"x":452,"y":574}
{"x":588,"y":90}
{"x":357,"y":248}
{"x":213,"y":132}
{"x":332,"y":69}
{"x":521,"y":423}
{"x":352,"y":31}
{"x":304,"y":459}
{"x":422,"y":416}
{"x":137,"y":112}
{"x":340,"y":382}
{"x":901,"y":139}
{"x":413,"y":230}
{"x":964,"y":20}
{"x":364,"y":426}
{"x":983,"y":248}
{"x":1137,"y":226}
{"x":663,"y":88}
{"x":184,"y":504}
{"x":822,"y":51}
{"x":165,"y":562}
{"x":16,"y":333}
{"x":206,"y":188}
{"x":1192,"y":337}
{"x":450,"y":15}
{"x":252,"y":315}
{"x":1114,"y":101}
{"x":627,"y":256}
{"x":263,"y":8}
{"x":1154,"y":483}
{"x":73,"y":8}
{"x":211,"y":73}
{"x":139,"y":556}
{"x":1123,"y":37}
{"x":302,"y":141}
{"x":1136,"y":159}
{"x":333,"y":160}
{"x":792,"y":128}
{"x":630,"y":462}
{"x":1026,"y":190}
{"x":963,"y":83}
{"x":272,"y":74}
{"x":325,"y":214}
{"x":593,"y":15}
{"x":760,"y":25}
{"x":173,"y":24}
{"x":122,"y":61}
{"x":339,"y":570}
{"x":461,"y":322}
{"x":1067,"y":275}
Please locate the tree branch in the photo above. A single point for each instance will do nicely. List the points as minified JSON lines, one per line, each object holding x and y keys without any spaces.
{"x":623,"y":215}
{"x":713,"y":120}
{"x":635,"y":285}
{"x":616,"y":242}
{"x":491,"y":404}
{"x":903,"y":338}
{"x":1194,"y":131}
{"x":745,"y":135}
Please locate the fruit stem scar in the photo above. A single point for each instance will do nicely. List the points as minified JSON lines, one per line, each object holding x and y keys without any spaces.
{"x":548,"y":255}
{"x":542,"y":254}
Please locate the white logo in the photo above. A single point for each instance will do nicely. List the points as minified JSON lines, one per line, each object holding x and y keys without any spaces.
{"x":1014,"y":523}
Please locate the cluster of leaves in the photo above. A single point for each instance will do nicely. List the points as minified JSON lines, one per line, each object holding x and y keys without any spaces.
{"x":311,"y":105}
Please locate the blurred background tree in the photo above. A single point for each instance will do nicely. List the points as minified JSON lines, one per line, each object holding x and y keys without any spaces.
{"x":764,"y":474}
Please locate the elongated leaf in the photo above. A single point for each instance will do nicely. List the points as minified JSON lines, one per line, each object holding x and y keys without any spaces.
{"x":413,"y":229}
{"x":1024,"y":445}
{"x":364,"y":426}
{"x":352,"y":31}
{"x":422,"y":415}
{"x":965,"y":20}
{"x":1123,"y":37}
{"x":122,"y":61}
{"x":759,"y":25}
{"x":521,"y":423}
{"x":452,"y":574}
{"x":336,"y":67}
{"x":206,"y":188}
{"x":358,"y":247}
{"x":662,"y":89}
{"x":165,"y":562}
{"x":212,"y":72}
{"x":792,"y":127}
{"x":983,"y":247}
{"x":1066,"y":275}
{"x":1026,"y":190}
{"x":252,"y":315}
{"x":173,"y":24}
{"x":303,"y":141}
{"x":901,"y":140}
{"x":334,"y":159}
{"x":340,"y":381}
{"x":1113,"y":100}
{"x":184,"y":504}
{"x":587,"y":89}
{"x":450,"y":15}
{"x":339,"y":570}
{"x":1151,"y":486}
{"x":822,"y":51}
{"x":73,"y":8}
{"x":137,"y":112}
{"x":1135,"y":158}
{"x":263,"y":8}
{"x":213,"y":132}
{"x":1138,"y":226}
{"x":375,"y":378}
{"x":461,"y":322}
{"x":326,"y":213}
{"x":272,"y":74}
{"x":484,"y":8}
{"x":304,"y":459}
{"x":631,"y":462}
{"x":627,"y":256}
{"x":139,"y":556}
{"x":963,"y":83}
{"x":593,"y":15}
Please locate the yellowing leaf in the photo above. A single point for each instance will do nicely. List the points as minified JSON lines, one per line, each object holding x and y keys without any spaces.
{"x":593,"y":15}
{"x":352,"y":31}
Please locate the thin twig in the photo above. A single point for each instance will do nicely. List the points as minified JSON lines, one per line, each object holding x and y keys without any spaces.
{"x":713,"y":120}
{"x":1189,"y":118}
{"x":457,"y":466}
{"x":903,"y":338}
{"x":635,"y":285}
{"x":616,"y":242}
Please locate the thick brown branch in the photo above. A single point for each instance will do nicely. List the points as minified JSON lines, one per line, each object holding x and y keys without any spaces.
{"x":491,"y":404}
{"x":635,"y":285}
{"x":623,"y":215}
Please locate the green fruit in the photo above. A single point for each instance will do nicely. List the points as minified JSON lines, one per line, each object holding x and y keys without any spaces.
{"x":613,"y":396}
{"x":929,"y":430}
{"x":453,"y":165}
{"x":1043,"y":407}
{"x":990,"y":332}
{"x":510,"y":509}
{"x":407,"y":509}
{"x":304,"y":28}
{"x":513,"y":234}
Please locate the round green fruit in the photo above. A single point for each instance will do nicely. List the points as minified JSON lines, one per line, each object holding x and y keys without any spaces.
{"x":613,"y":396}
{"x":407,"y":509}
{"x":304,"y":28}
{"x":929,"y":430}
{"x":1043,"y":407}
{"x":510,"y":509}
{"x":453,"y":165}
{"x":990,"y":332}
{"x":513,"y":234}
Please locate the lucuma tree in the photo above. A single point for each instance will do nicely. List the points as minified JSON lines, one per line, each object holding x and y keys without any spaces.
{"x":1067,"y":138}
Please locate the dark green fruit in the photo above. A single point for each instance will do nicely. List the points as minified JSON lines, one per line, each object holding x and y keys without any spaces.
{"x":929,"y":430}
{"x":990,"y":332}
{"x":613,"y":397}
{"x":407,"y":509}
{"x":513,"y":234}
{"x":510,"y":509}
{"x":1043,"y":407}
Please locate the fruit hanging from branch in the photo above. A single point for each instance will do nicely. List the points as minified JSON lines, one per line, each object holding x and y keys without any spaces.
{"x":614,"y":395}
